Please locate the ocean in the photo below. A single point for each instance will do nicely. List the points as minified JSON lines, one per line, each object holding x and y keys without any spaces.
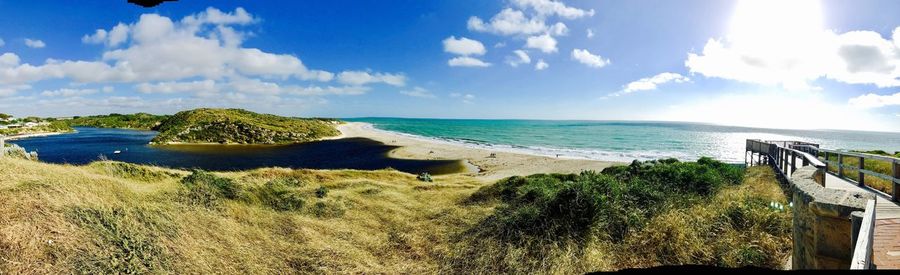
{"x":621,"y":140}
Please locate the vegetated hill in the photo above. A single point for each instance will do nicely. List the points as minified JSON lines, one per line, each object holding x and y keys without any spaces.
{"x":113,"y":217}
{"x":237,"y":126}
{"x":139,"y":121}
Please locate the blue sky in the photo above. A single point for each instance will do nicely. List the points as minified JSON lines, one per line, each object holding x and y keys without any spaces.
{"x":834,"y":64}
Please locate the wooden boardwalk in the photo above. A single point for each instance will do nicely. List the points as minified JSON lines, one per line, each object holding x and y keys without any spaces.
{"x":886,"y":240}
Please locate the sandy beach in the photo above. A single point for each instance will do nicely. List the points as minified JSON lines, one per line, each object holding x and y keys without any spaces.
{"x":484,"y":167}
{"x":24,"y":136}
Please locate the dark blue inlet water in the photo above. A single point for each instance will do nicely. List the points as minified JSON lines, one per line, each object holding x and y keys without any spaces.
{"x":91,"y":144}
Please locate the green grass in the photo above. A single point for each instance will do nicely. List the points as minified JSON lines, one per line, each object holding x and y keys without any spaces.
{"x":645,"y":214}
{"x":110,"y":217}
{"x":237,"y":126}
{"x":851,"y":170}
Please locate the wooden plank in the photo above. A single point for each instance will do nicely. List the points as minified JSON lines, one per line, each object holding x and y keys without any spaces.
{"x":862,"y":252}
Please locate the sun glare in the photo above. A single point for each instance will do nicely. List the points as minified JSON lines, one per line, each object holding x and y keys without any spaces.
{"x":768,"y":19}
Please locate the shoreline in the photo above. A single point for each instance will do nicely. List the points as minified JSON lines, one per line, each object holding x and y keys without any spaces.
{"x":503,"y":163}
{"x":25,"y":136}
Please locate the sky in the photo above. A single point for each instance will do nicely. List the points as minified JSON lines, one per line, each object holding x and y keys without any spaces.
{"x":801,"y":64}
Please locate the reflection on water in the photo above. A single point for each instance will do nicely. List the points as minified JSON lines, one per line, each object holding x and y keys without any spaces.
{"x":90,"y":144}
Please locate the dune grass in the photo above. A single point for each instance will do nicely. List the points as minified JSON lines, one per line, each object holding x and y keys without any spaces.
{"x":111,"y":217}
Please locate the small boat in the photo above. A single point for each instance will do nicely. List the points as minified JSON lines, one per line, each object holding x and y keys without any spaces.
{"x":117,"y":152}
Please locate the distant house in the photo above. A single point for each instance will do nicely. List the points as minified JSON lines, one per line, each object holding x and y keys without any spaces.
{"x":14,"y":126}
{"x":30,"y":124}
{"x":65,"y":118}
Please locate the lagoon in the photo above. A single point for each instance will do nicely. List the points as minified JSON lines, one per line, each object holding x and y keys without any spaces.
{"x":92,"y":144}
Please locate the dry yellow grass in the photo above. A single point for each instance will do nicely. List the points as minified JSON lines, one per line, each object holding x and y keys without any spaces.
{"x":111,"y":217}
{"x":65,"y":219}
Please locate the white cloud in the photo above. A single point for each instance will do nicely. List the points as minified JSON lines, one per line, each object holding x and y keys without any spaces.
{"x":463,"y":46}
{"x":508,"y":22}
{"x":521,"y":57}
{"x":541,"y":65}
{"x":112,"y":38}
{"x":590,"y":33}
{"x":789,"y":47}
{"x":418,"y":92}
{"x":465,"y":61}
{"x":651,"y":83}
{"x":201,"y":54}
{"x":363,"y":78}
{"x":170,"y":87}
{"x":69,"y":92}
{"x":585,"y":57}
{"x":10,"y":90}
{"x":545,"y":43}
{"x":552,"y":7}
{"x":559,"y":29}
{"x":34,"y":43}
{"x":871,"y":100}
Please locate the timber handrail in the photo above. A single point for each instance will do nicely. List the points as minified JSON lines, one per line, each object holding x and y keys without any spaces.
{"x":861,"y":172}
{"x":862,"y":252}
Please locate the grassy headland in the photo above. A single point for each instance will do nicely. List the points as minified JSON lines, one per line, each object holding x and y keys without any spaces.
{"x":138,"y":121}
{"x":111,"y":217}
{"x":237,"y":126}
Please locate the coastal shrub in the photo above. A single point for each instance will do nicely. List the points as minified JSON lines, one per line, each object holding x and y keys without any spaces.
{"x":321,"y":192}
{"x":426,"y":177}
{"x":16,"y":151}
{"x":206,"y":189}
{"x":279,"y":196}
{"x":541,"y":215}
{"x":126,"y":241}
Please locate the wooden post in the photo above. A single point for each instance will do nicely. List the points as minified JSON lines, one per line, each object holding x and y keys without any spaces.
{"x":826,"y":161}
{"x":862,"y":177}
{"x":840,"y":165}
{"x":793,"y":162}
{"x":895,"y":190}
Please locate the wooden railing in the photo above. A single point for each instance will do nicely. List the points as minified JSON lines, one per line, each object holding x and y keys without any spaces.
{"x":785,"y":158}
{"x":862,"y":252}
{"x":861,"y":172}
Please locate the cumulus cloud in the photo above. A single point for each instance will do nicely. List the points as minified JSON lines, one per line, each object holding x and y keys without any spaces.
{"x":521,"y":57}
{"x":541,"y":65}
{"x":793,"y":58}
{"x":463,"y":46}
{"x":587,"y":58}
{"x":872,"y":100}
{"x":551,"y":7}
{"x":115,"y":36}
{"x":545,"y":43}
{"x":201,"y":54}
{"x":34,"y":43}
{"x":651,"y":83}
{"x":418,"y":92}
{"x":508,"y":22}
{"x":363,"y":78}
{"x":528,"y":19}
{"x":465,"y":61}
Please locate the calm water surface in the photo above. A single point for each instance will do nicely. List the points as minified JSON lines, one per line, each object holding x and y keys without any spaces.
{"x":89,"y":144}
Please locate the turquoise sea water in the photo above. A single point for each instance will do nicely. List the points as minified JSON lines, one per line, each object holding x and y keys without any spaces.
{"x":621,"y":140}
